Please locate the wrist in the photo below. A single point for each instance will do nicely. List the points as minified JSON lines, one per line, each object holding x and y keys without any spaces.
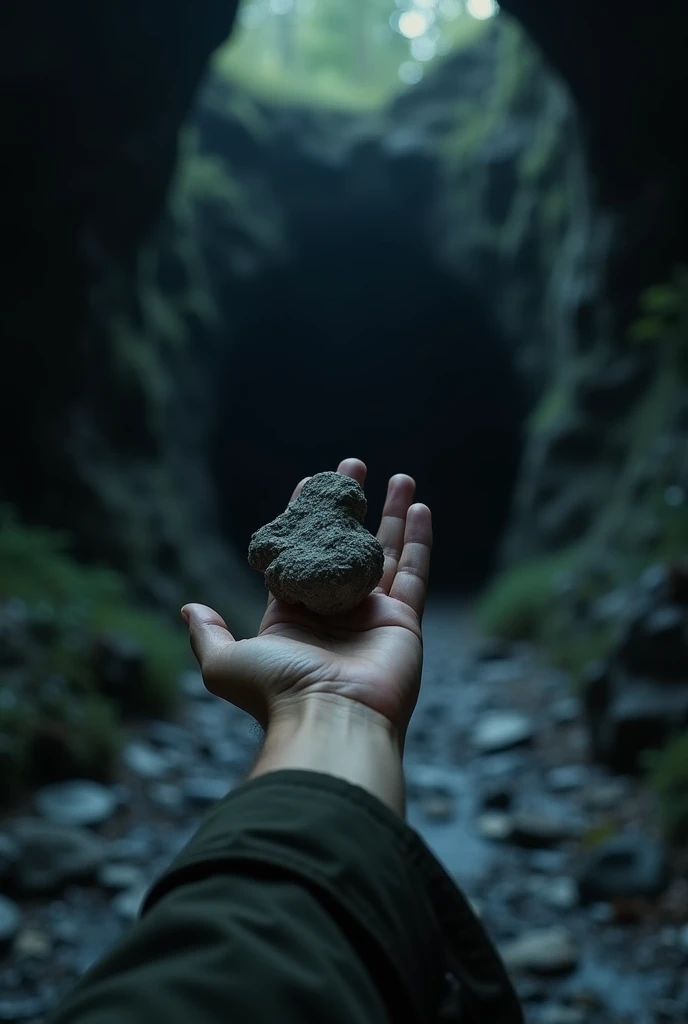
{"x":335,"y":735}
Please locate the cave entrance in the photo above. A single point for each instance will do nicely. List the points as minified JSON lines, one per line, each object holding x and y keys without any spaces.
{"x":363,"y":346}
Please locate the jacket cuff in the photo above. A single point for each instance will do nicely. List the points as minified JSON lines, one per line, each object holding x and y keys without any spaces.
{"x":378,"y":872}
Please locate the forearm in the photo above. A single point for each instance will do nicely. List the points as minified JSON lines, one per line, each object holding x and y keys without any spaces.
{"x":336,"y":736}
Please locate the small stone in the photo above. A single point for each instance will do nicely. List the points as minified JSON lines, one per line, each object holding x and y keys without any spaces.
{"x":566,"y":778}
{"x":549,"y":862}
{"x":206,"y":791}
{"x":53,"y":856}
{"x":531,"y":829}
{"x":10,"y":921}
{"x":116,"y":875}
{"x":127,"y":905}
{"x":550,"y":951}
{"x":34,"y":943}
{"x":565,"y":711}
{"x":682,"y":939}
{"x":14,"y":1008}
{"x":167,"y":797}
{"x":607,"y":795}
{"x":169,"y":734}
{"x":318,"y":553}
{"x":560,"y":893}
{"x":438,"y":808}
{"x":138,"y":848}
{"x":495,"y":825}
{"x":145,"y":761}
{"x":77,"y":803}
{"x":625,"y":867}
{"x":502,"y":730}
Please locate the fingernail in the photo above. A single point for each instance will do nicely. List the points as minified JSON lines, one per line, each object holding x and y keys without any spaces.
{"x":185,"y":614}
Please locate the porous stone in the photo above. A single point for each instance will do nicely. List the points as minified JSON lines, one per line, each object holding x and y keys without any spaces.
{"x":318,"y":553}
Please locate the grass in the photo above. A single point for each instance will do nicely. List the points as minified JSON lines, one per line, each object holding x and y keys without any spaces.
{"x":54,"y":718}
{"x":668,"y":777}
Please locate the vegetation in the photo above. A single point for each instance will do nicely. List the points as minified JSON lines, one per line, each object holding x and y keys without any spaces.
{"x":351,"y":53}
{"x":668,"y":776}
{"x":664,"y":319}
{"x":55,"y":615}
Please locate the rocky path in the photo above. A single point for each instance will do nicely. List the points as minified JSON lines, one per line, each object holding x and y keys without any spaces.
{"x":499,"y":786}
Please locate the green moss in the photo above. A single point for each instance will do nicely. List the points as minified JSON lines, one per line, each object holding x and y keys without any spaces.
{"x":516,"y":603}
{"x":64,"y":607}
{"x":668,"y":777}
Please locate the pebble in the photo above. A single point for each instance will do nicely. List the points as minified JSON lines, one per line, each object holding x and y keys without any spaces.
{"x":549,"y":951}
{"x":682,"y":939}
{"x":145,"y":761}
{"x":205,"y":790}
{"x":549,"y":862}
{"x":14,"y":1008}
{"x":52,"y":855}
{"x":532,"y":829}
{"x":77,"y":803}
{"x":607,"y":795}
{"x":11,"y":918}
{"x":565,"y":711}
{"x":169,"y":734}
{"x":127,"y":905}
{"x":120,"y":875}
{"x":34,"y":943}
{"x":560,"y":893}
{"x":139,"y":846}
{"x":438,"y":808}
{"x":624,"y":867}
{"x":167,"y":797}
{"x":567,"y":778}
{"x":495,"y":825}
{"x":502,"y":730}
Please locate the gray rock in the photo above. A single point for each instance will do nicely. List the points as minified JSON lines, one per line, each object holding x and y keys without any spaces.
{"x":145,"y":761}
{"x":115,"y":875}
{"x":77,"y":803}
{"x":495,"y":825}
{"x":623,"y":867}
{"x":532,"y":829}
{"x":606,"y":795}
{"x":502,"y":730}
{"x":167,"y":796}
{"x":169,"y":734}
{"x":318,"y":553}
{"x":682,"y":940}
{"x":53,"y":855}
{"x":21,"y":1007}
{"x":563,"y":1015}
{"x":127,"y":905}
{"x":438,"y":808}
{"x":549,"y":862}
{"x":550,"y":951}
{"x":560,"y":893}
{"x":10,"y":921}
{"x":567,"y":777}
{"x":205,"y":791}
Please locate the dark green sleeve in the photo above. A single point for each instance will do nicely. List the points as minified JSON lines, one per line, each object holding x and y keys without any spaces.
{"x":301,"y":900}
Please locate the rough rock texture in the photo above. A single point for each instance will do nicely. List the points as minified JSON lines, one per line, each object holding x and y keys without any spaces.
{"x":318,"y":552}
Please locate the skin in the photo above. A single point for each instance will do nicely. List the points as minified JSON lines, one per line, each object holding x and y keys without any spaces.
{"x":334,"y":694}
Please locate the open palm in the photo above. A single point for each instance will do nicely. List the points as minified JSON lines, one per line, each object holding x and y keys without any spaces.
{"x":372,"y":655}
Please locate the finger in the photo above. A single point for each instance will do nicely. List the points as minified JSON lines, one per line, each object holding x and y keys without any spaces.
{"x":209,"y":636}
{"x":411,"y":581}
{"x":354,"y":468}
{"x":400,"y":493}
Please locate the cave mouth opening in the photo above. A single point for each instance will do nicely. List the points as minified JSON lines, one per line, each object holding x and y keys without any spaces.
{"x":364,"y":346}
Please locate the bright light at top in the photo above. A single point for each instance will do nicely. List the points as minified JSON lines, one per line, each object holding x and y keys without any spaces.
{"x":482,"y":9}
{"x":413,"y":24}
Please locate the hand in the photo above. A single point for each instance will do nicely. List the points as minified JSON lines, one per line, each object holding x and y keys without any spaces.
{"x":371,"y":656}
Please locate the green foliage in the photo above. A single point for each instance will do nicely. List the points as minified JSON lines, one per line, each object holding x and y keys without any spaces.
{"x":668,"y":776}
{"x":516,"y":603}
{"x":551,"y":406}
{"x":663,"y":319}
{"x":50,"y":690}
{"x":347,"y":54}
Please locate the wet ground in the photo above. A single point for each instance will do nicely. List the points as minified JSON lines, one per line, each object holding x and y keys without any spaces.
{"x":499,"y":785}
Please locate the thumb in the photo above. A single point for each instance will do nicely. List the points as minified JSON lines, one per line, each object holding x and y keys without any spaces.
{"x":209,"y":636}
